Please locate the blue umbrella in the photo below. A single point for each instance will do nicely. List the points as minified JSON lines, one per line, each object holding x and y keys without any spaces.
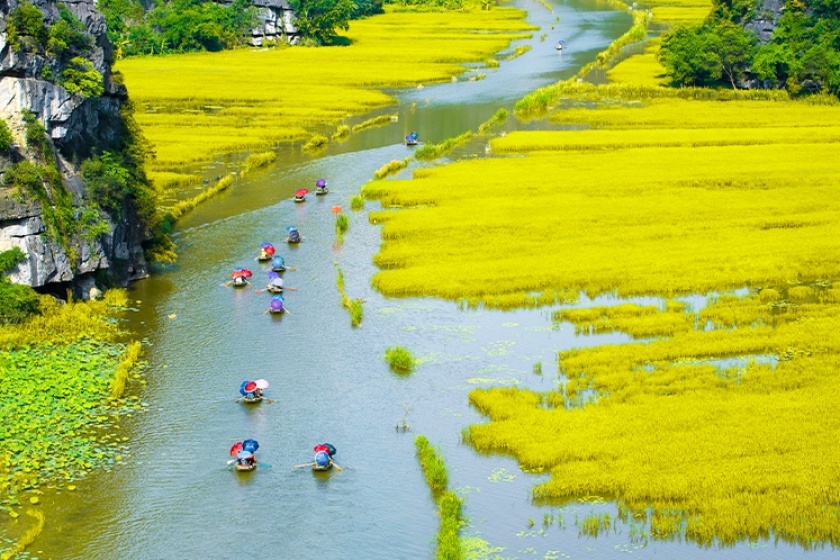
{"x":250,"y":445}
{"x":290,"y":228}
{"x":242,"y":390}
{"x":264,"y":245}
{"x":244,"y":454}
{"x":272,"y":275}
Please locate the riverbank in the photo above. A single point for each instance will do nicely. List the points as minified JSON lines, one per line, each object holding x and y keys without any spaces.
{"x":714,"y":205}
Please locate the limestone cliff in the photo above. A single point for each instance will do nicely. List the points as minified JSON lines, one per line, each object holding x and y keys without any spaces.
{"x":55,"y":77}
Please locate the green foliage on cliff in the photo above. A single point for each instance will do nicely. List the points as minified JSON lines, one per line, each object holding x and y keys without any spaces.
{"x":320,"y":19}
{"x":6,"y":137}
{"x":17,"y":302}
{"x":68,"y":36}
{"x":107,"y":181}
{"x":803,"y":55}
{"x":81,"y":78}
{"x":25,"y":31}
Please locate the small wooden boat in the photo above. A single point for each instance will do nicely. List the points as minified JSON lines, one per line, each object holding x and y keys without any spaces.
{"x":410,"y":141}
{"x":246,"y":466}
{"x":264,"y":257}
{"x":281,"y":268}
{"x":274,"y":289}
{"x":320,"y":191}
{"x":317,"y":467}
{"x":277,"y":311}
{"x":300,"y":199}
{"x":252,"y":400}
{"x":239,"y":282}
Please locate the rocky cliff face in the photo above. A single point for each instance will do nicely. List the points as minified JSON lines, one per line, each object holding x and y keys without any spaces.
{"x":766,"y":20}
{"x":33,"y":77}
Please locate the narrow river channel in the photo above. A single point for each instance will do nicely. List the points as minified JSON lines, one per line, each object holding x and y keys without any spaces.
{"x":175,"y":498}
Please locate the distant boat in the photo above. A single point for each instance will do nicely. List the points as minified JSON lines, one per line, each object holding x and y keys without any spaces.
{"x":559,"y":46}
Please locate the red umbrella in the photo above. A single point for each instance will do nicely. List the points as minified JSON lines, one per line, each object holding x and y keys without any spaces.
{"x":301,"y":192}
{"x":243,"y":272}
{"x":237,"y":447}
{"x":250,"y":386}
{"x":269,"y":250}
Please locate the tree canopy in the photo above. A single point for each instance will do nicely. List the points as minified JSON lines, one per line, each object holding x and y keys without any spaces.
{"x":803,"y":54}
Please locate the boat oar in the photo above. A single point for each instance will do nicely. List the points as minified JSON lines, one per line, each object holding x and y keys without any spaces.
{"x":302,"y":466}
{"x":336,"y":466}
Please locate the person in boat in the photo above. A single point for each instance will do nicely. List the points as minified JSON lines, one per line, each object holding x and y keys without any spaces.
{"x":275,"y":284}
{"x":324,"y":455}
{"x":412,"y":138}
{"x":294,"y":236}
{"x":320,"y":186}
{"x":278,"y":263}
{"x":277,"y":305}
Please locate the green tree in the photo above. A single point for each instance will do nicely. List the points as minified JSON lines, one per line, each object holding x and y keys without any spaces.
{"x":81,"y":78}
{"x":736,"y":47}
{"x":691,"y":56}
{"x":319,"y":19}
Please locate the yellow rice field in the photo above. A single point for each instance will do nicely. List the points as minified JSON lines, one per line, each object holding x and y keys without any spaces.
{"x":716,"y":425}
{"x":194,"y":107}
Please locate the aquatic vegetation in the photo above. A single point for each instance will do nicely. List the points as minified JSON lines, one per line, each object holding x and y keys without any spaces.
{"x":183,"y":206}
{"x":380,"y":120}
{"x":498,"y":118}
{"x":128,"y":364}
{"x":434,"y":151}
{"x":54,"y":369}
{"x":594,"y":524}
{"x":354,"y":306}
{"x":518,"y":51}
{"x":450,"y":505}
{"x":28,"y":537}
{"x":433,"y":466}
{"x":636,"y":320}
{"x":316,"y":142}
{"x":164,"y":180}
{"x":637,"y":32}
{"x":400,"y":359}
{"x":341,"y":133}
{"x":342,"y":222}
{"x":255,"y":161}
{"x":391,"y":167}
{"x":357,"y":202}
{"x":491,"y":63}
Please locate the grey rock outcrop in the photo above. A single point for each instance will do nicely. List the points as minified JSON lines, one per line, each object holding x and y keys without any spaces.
{"x":766,"y":21}
{"x":276,"y":23}
{"x":76,"y":125}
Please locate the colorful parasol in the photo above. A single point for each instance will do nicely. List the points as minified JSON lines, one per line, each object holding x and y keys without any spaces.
{"x":277,"y":303}
{"x":321,"y":183}
{"x":272,"y":275}
{"x":250,"y":386}
{"x":268,"y":248}
{"x":241,"y":272}
{"x":301,"y":192}
{"x":250,"y":445}
{"x":237,"y":447}
{"x":290,"y":228}
{"x":242,"y":390}
{"x":261,"y":383}
{"x":244,"y":455}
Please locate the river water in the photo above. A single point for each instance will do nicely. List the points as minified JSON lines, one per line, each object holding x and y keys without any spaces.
{"x":177,"y":499}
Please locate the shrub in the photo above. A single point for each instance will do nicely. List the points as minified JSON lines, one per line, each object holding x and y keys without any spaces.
{"x":107,"y":181}
{"x":6,"y":137}
{"x":25,"y":29}
{"x":81,"y":78}
{"x":316,"y":142}
{"x":17,"y":302}
{"x":400,"y":359}
{"x":342,"y":222}
{"x":357,"y":202}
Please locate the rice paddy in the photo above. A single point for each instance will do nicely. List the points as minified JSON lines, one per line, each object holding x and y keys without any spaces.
{"x":712,"y":425}
{"x":195,"y":107}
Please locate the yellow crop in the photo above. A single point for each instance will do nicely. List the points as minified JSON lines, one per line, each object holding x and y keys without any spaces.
{"x":194,"y":107}
{"x":721,"y":426}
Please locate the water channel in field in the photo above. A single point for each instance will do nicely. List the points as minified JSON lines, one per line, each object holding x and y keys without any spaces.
{"x":177,"y":499}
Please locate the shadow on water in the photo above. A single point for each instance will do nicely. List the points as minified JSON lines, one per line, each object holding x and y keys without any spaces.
{"x":175,"y":499}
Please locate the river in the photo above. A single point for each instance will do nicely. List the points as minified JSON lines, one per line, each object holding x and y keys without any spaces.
{"x":175,"y":498}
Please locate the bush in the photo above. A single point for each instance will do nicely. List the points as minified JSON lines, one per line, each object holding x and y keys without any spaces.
{"x":6,"y":137}
{"x":17,"y":302}
{"x":400,"y":359}
{"x":107,"y":182}
{"x":25,"y":29}
{"x":81,"y":78}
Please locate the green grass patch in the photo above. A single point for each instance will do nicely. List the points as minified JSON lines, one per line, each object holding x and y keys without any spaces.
{"x":434,"y":151}
{"x":255,"y":161}
{"x":400,"y":359}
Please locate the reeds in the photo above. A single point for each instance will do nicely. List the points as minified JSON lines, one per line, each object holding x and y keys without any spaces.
{"x":400,"y":359}
{"x":341,"y":133}
{"x":316,"y":142}
{"x":434,"y":151}
{"x":129,"y":363}
{"x":498,"y":118}
{"x":357,"y":202}
{"x":261,"y":159}
{"x":380,"y":120}
{"x":391,"y":167}
{"x":450,"y":505}
{"x":183,"y":206}
{"x":354,"y":306}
